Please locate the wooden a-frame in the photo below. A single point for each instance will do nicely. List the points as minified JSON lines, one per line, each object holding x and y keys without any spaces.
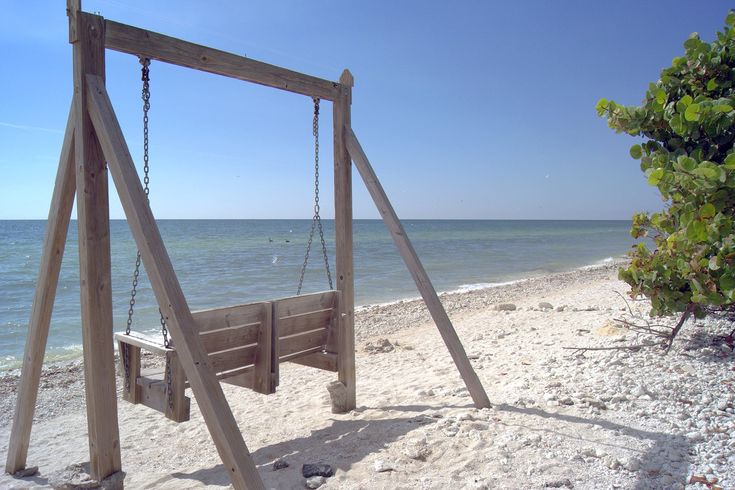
{"x":93,"y":144}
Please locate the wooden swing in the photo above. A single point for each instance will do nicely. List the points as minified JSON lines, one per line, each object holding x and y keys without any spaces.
{"x":245,"y":343}
{"x":316,"y":330}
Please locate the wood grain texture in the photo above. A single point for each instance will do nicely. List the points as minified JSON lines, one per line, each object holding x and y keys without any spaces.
{"x":420,"y":277}
{"x":54,"y":243}
{"x":341,"y":116}
{"x":93,"y":223}
{"x":140,"y":42}
{"x":182,"y":327}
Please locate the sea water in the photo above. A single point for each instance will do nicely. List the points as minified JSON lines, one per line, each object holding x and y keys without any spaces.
{"x":223,"y":262}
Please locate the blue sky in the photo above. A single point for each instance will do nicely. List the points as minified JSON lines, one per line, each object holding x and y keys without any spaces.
{"x":465,"y":109}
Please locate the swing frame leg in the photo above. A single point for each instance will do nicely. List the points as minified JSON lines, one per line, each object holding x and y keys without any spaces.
{"x":54,"y":243}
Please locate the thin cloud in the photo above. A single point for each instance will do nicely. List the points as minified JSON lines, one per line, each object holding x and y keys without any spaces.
{"x":30,"y":128}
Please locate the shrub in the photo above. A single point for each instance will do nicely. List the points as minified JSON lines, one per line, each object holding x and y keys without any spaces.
{"x":686,"y":122}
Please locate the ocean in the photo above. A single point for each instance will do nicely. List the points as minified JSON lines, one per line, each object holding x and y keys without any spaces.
{"x":222,"y":262}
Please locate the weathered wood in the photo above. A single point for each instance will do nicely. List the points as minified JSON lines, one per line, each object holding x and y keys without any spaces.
{"x":304,"y":322}
{"x":319,"y":360}
{"x":305,"y":303}
{"x":54,"y":242}
{"x":182,"y":327}
{"x":225,"y":338}
{"x":301,"y":353}
{"x":180,"y":407}
{"x":302,"y":342}
{"x":420,"y":277}
{"x":140,"y":42}
{"x":93,"y":223}
{"x":229,"y":316}
{"x":130,"y":355}
{"x":233,"y":358}
{"x":139,"y":340}
{"x":262,"y":374}
{"x":335,"y":326}
{"x":343,"y":231}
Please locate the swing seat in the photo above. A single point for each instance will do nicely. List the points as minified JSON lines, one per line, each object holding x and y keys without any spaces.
{"x":245,"y":344}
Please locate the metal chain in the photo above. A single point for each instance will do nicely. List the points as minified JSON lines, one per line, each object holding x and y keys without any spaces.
{"x":316,"y":221}
{"x":146,"y":97}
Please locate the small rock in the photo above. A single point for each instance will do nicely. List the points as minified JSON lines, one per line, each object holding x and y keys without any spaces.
{"x":26,"y":472}
{"x":506,"y":307}
{"x":565,"y":483}
{"x":380,"y":346}
{"x":316,"y":469}
{"x":544,"y":306}
{"x":279,"y":464}
{"x":315,"y":481}
{"x":381,"y":466}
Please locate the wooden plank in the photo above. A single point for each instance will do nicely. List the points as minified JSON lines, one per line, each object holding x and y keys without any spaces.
{"x":233,"y":358}
{"x":153,"y":394}
{"x":182,"y":327}
{"x":224,"y":338}
{"x":275,"y":361}
{"x":130,"y":355}
{"x":140,"y":42}
{"x":335,"y":326}
{"x":179,"y":406}
{"x":262,"y":379}
{"x":305,"y":303}
{"x":229,"y":316}
{"x":320,"y":360}
{"x":139,"y":340}
{"x":300,"y":353}
{"x":54,"y":243}
{"x":93,"y":223}
{"x":420,"y":277}
{"x":343,"y":233}
{"x":304,"y":322}
{"x":302,"y":342}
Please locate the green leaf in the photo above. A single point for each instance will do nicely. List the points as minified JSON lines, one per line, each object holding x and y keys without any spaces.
{"x":712,"y":84}
{"x":601,"y":106}
{"x":655,"y":177}
{"x":697,"y":231}
{"x":692,"y":42}
{"x":730,"y":19}
{"x":730,"y":161}
{"x":708,"y":170}
{"x":707,"y":211}
{"x":687,"y":163}
{"x":636,"y":151}
{"x":722,"y":108}
{"x":692,"y":112}
{"x":714,"y":263}
{"x":677,"y":125}
{"x":661,"y":96}
{"x":727,"y":283}
{"x":683,"y":103}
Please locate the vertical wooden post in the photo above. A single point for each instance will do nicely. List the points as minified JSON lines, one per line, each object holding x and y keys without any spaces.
{"x":420,"y":277}
{"x":94,"y":256}
{"x":343,"y":233}
{"x":57,"y":227}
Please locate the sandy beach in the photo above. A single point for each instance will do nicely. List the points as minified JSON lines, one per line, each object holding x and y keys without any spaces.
{"x":561,"y":418}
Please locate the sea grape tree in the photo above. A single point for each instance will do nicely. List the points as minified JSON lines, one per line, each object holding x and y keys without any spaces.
{"x":687,"y":122}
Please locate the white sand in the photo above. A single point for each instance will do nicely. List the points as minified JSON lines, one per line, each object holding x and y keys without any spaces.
{"x":594,"y":420}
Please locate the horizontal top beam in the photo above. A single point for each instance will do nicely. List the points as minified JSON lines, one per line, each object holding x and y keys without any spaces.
{"x":149,"y":44}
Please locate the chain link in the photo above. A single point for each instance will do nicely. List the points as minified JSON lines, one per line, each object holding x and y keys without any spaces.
{"x":146,"y":97}
{"x":316,"y":222}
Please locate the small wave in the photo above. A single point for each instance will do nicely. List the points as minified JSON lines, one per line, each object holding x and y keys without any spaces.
{"x":275,"y":259}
